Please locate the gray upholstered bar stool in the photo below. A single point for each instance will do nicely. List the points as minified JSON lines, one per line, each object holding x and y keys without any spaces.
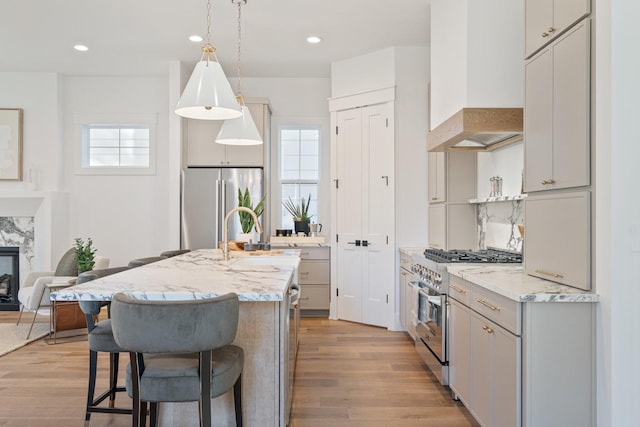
{"x":180,"y":351}
{"x":175,"y":252}
{"x":101,"y":340}
{"x":144,"y":261}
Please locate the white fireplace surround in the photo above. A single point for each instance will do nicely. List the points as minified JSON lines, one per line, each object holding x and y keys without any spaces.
{"x":50,"y":212}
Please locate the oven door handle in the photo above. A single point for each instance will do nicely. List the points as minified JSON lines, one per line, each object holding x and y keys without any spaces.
{"x":433,"y":299}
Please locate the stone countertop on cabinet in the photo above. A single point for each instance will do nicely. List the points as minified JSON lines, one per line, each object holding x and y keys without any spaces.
{"x":512,"y":282}
{"x":197,"y":274}
{"x":412,"y":250}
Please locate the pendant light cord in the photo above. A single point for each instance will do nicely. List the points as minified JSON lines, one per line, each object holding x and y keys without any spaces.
{"x":239,"y":93}
{"x":208,"y":49}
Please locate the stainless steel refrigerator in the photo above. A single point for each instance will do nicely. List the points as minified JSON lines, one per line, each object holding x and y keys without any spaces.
{"x":208,"y":194}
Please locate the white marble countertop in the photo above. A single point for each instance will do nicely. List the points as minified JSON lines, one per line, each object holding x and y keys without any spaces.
{"x":198,"y":274}
{"x":413,"y":250}
{"x":512,"y":282}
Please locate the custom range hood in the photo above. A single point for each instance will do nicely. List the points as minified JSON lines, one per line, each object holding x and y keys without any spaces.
{"x":477,"y":129}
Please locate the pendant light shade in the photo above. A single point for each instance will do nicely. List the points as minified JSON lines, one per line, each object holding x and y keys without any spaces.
{"x":208,"y":94}
{"x":240,"y":131}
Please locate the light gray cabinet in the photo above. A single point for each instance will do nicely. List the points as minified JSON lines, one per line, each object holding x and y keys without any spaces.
{"x":547,"y":19}
{"x":406,"y":295}
{"x":557,"y":244}
{"x":202,"y":150}
{"x":452,"y":225}
{"x":315,"y":276}
{"x":557,"y":113}
{"x":521,"y":364}
{"x":452,"y":182}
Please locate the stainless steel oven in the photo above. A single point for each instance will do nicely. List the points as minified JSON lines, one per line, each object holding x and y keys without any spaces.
{"x":431,"y":331}
{"x":430,"y":273}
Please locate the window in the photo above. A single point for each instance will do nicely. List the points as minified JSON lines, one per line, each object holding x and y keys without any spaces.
{"x":299,"y":167}
{"x":111,"y":145}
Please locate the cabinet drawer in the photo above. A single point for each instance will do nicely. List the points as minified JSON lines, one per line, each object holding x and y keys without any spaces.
{"x":315,"y":272}
{"x":315,"y":253}
{"x":314,"y":297}
{"x":501,"y":310}
{"x":460,"y":290}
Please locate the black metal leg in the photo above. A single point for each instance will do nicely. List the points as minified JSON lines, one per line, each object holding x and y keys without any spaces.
{"x":93,"y":363}
{"x":143,"y":414}
{"x":237,"y":400}
{"x":205,"y":388}
{"x":153,"y":414}
{"x":114,"y":359}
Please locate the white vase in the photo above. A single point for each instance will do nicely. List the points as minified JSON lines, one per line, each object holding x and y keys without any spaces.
{"x":246,"y":237}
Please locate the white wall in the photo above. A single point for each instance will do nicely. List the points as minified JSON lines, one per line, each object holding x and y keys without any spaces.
{"x":364,"y":73}
{"x":617,"y":156}
{"x":126,"y":216}
{"x":506,"y":162}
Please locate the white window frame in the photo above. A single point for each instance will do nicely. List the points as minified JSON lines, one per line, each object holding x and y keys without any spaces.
{"x":81,"y":123}
{"x":282,"y":181}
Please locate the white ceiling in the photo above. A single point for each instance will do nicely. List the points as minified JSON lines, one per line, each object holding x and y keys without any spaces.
{"x":140,"y":37}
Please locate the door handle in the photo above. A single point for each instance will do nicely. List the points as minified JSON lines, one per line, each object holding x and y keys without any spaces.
{"x":365,"y":243}
{"x":357,"y":243}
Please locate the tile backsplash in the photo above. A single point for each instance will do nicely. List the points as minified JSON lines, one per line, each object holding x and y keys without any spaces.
{"x":498,"y":225}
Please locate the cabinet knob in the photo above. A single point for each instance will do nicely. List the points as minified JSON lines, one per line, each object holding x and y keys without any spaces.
{"x":548,"y":181}
{"x":551,"y":30}
{"x":545,"y":34}
{"x":487,"y":329}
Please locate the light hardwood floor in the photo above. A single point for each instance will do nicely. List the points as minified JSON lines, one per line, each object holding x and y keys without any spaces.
{"x":347,"y":374}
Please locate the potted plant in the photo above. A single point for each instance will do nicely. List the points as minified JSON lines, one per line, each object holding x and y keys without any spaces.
{"x":246,"y":220}
{"x":85,"y":255}
{"x":300,"y":214}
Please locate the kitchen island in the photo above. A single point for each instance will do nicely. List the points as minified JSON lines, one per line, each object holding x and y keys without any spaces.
{"x":261,"y":283}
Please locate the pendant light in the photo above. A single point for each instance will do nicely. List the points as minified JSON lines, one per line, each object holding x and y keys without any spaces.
{"x":208,"y":94}
{"x":242,"y":130}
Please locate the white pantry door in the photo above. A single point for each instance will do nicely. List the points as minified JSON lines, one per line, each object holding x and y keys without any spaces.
{"x":364,"y":212}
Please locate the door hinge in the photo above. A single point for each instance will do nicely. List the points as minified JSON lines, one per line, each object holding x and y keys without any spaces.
{"x":387,"y":240}
{"x":387,"y":124}
{"x":337,"y":183}
{"x":387,"y":298}
{"x":336,"y":130}
{"x":337,"y":291}
{"x":336,"y":238}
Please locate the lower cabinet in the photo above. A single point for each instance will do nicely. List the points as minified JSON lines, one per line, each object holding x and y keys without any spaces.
{"x":315,"y":277}
{"x":495,"y":390}
{"x":521,"y":364}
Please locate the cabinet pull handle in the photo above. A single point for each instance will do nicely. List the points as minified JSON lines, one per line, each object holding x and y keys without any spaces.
{"x":304,"y":253}
{"x":434,"y":198}
{"x":548,"y":181}
{"x":547,"y":273}
{"x":487,"y":329}
{"x":486,"y":304}
{"x":455,"y":288}
{"x":304,"y":298}
{"x":304,"y":273}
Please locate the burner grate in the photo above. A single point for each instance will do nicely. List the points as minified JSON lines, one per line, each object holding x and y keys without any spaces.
{"x":470,"y":256}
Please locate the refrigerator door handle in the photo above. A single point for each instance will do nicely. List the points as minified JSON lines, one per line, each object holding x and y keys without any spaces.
{"x":223,"y":212}
{"x":219,"y":203}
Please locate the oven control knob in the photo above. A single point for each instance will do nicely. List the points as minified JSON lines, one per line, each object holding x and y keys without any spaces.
{"x":438,"y":278}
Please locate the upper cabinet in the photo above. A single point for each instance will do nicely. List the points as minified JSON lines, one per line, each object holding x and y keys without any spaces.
{"x":202,"y":150}
{"x":452,"y":176}
{"x":547,"y":19}
{"x":437,"y":175}
{"x":557,"y":113}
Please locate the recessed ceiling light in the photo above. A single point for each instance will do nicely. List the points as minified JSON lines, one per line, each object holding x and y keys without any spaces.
{"x":196,"y":38}
{"x":314,"y":39}
{"x":81,"y":48}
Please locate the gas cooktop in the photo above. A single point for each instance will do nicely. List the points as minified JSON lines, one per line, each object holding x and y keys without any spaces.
{"x":481,"y":256}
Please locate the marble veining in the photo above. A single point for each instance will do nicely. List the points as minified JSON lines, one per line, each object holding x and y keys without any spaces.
{"x":198,"y":274}
{"x":18,"y":231}
{"x":497,"y":225}
{"x":512,"y":282}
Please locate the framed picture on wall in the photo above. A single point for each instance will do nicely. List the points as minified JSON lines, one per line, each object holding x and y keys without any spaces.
{"x":11,"y":144}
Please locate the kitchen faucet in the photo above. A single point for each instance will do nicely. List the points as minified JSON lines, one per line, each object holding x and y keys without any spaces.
{"x":225,"y":236}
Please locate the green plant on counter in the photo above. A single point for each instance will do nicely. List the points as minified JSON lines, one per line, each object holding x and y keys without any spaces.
{"x":299,"y":211}
{"x":246,"y":220}
{"x":85,"y":254}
